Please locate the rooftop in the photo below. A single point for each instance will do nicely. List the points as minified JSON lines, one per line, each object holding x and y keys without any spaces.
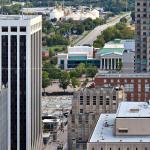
{"x":105,"y":51}
{"x":123,"y":75}
{"x":17,"y":17}
{"x":133,"y":109}
{"x":105,"y":134}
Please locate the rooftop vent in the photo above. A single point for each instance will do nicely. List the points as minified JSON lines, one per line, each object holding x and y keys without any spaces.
{"x":134,"y":110}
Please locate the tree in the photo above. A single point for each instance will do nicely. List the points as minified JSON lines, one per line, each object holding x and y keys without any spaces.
{"x":123,"y":20}
{"x":54,"y":73}
{"x":64,"y":80}
{"x":73,"y":73}
{"x":91,"y":71}
{"x":99,"y":43}
{"x":80,"y":69}
{"x":45,"y":81}
{"x":75,"y":82}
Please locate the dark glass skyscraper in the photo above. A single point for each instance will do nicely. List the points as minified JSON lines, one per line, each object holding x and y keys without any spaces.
{"x":20,"y":52}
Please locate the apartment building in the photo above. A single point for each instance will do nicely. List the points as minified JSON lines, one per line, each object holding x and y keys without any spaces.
{"x":20,"y":72}
{"x":142,"y":19}
{"x":136,"y":85}
{"x":128,"y":129}
{"x":88,"y":104}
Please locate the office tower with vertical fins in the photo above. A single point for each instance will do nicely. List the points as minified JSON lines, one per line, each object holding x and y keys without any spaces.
{"x":20,"y":72}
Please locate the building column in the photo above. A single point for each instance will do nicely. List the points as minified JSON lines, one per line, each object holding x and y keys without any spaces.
{"x":107,"y":64}
{"x":114,"y":64}
{"x":111,"y":64}
{"x":104,"y":64}
{"x":101,"y":63}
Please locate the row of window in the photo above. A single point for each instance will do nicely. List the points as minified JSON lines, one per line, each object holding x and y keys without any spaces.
{"x":94,"y":100}
{"x":13,"y":29}
{"x":125,"y":80}
{"x":143,"y":4}
{"x":120,"y":148}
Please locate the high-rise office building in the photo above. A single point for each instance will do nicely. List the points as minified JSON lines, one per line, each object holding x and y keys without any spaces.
{"x":142,"y":58}
{"x":3,"y":119}
{"x":20,"y":72}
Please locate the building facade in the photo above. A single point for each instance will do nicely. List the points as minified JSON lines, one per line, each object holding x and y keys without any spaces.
{"x":3,"y":118}
{"x":137,"y":85}
{"x":87,"y":105}
{"x":117,"y":55}
{"x":142,"y":35}
{"x":128,"y":129}
{"x":20,"y":52}
{"x":77,"y":55}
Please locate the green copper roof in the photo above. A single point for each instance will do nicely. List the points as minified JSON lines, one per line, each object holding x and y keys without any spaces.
{"x":105,"y":51}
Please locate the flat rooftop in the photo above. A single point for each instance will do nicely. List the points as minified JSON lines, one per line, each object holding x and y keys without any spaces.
{"x":123,"y":75}
{"x":105,"y":134}
{"x":17,"y":17}
{"x":133,"y":110}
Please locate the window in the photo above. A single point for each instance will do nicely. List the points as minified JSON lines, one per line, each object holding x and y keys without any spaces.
{"x":114,"y":98}
{"x":13,"y":29}
{"x":107,"y":101}
{"x":80,"y":119}
{"x":22,"y":29}
{"x":4,"y":29}
{"x":123,"y":130}
{"x":147,"y":87}
{"x":81,"y":110}
{"x":81,"y":100}
{"x":101,"y":100}
{"x":94,"y":100}
{"x":88,"y":100}
{"x":86,"y":118}
{"x":139,"y":87}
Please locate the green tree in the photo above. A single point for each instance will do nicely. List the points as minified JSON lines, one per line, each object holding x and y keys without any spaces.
{"x":124,"y":20}
{"x":80,"y":69}
{"x":54,"y":73}
{"x":64,"y":80}
{"x":75,"y":82}
{"x":73,"y":73}
{"x":91,"y":71}
{"x":45,"y":80}
{"x":99,"y":43}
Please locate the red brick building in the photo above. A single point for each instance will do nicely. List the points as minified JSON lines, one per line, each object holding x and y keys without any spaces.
{"x":137,"y":85}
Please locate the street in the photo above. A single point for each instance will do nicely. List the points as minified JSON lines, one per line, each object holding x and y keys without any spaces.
{"x":61,"y":139}
{"x":92,"y":36}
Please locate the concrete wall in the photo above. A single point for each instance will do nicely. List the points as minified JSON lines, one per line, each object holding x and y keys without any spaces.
{"x":135,"y":126}
{"x":118,"y":146}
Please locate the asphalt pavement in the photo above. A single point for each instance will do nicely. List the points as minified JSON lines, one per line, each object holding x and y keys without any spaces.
{"x":92,"y":36}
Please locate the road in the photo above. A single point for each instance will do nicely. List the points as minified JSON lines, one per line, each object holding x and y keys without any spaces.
{"x":61,"y":139}
{"x":92,"y":36}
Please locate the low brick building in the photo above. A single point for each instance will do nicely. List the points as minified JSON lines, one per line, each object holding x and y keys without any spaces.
{"x":136,"y":85}
{"x":88,"y":104}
